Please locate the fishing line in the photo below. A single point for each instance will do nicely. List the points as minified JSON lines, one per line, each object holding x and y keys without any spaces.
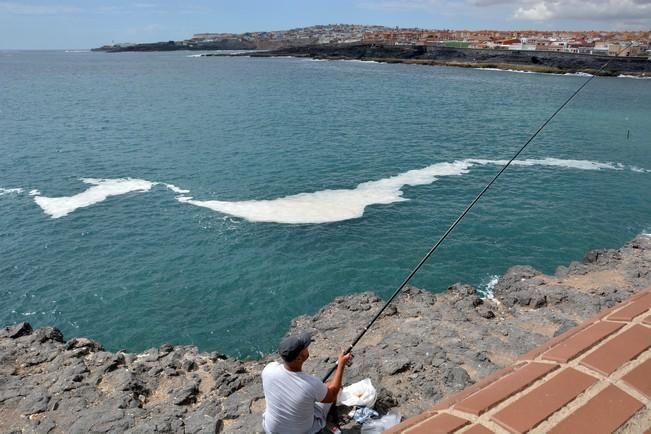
{"x":468,"y":208}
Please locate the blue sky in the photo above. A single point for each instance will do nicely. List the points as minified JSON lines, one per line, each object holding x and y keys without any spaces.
{"x":34,"y":24}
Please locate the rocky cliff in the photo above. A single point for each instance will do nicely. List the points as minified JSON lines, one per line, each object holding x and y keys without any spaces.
{"x":536,"y":61}
{"x":424,"y":347}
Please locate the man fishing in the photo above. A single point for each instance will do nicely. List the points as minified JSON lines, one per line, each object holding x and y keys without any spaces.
{"x":298,"y":403}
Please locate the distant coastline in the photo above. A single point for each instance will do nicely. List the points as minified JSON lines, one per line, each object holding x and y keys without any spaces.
{"x":528,"y":61}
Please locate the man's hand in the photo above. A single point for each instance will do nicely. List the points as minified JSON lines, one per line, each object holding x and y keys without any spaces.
{"x":344,"y":359}
{"x":335,"y":384}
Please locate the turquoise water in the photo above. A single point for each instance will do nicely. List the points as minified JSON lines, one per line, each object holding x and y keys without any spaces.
{"x":130,"y":261}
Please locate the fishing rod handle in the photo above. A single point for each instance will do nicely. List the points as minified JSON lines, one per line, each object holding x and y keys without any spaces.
{"x":334,"y":367}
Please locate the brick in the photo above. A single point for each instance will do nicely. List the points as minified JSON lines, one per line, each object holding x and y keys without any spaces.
{"x":533,"y":408}
{"x":451,"y":400}
{"x":640,"y":378}
{"x":505,"y":387}
{"x":604,"y":413}
{"x":619,"y":350}
{"x":478,"y":429}
{"x":440,"y":424}
{"x":412,"y":421}
{"x":531,"y":355}
{"x":633,"y":309}
{"x":582,"y":341}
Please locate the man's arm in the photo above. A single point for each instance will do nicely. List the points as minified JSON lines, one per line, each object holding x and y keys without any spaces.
{"x":334,"y":385}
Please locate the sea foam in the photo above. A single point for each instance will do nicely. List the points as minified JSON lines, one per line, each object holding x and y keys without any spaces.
{"x":101,"y":189}
{"x":328,"y":206}
{"x":4,"y":191}
{"x":637,"y":77}
{"x":579,"y":74}
{"x":325,"y":206}
{"x":176,"y":189}
{"x":555,"y":162}
{"x":519,"y":71}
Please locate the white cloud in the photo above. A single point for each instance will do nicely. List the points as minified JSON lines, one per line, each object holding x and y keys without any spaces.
{"x":637,"y":12}
{"x":535,"y":12}
{"x":590,"y":10}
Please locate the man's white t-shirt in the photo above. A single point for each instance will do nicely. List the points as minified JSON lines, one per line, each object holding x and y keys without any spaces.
{"x":290,"y":399}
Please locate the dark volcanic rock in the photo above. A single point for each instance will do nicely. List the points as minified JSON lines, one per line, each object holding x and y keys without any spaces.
{"x":16,"y":331}
{"x":544,"y":61}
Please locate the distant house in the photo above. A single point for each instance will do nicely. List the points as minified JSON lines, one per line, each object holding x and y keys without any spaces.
{"x":621,"y":50}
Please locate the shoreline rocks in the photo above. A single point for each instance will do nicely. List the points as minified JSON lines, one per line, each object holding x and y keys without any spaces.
{"x":533,"y":61}
{"x":424,"y":347}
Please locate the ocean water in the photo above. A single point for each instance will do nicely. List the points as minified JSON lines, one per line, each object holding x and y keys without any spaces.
{"x":158,"y":197}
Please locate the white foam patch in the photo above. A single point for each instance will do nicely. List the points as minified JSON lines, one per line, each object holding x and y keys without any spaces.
{"x":358,"y":61}
{"x":637,"y":77}
{"x":4,"y":191}
{"x":507,"y":70}
{"x":555,"y":162}
{"x":328,"y":206}
{"x":578,"y":74}
{"x":101,"y":189}
{"x":487,"y":291}
{"x":176,"y":189}
{"x":331,"y":205}
{"x":34,"y":192}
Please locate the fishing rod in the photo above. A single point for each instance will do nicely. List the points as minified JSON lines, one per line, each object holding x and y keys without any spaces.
{"x":468,"y":208}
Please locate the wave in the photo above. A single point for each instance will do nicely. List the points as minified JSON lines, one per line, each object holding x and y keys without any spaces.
{"x":4,"y":191}
{"x":34,"y":192}
{"x":507,"y":70}
{"x":637,"y":77}
{"x":101,"y":189}
{"x":486,"y":291}
{"x":578,"y":74}
{"x":358,"y":61}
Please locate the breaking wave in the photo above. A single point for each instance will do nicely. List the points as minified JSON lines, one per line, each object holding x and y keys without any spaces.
{"x":578,"y":74}
{"x":325,"y":206}
{"x":507,"y":70}
{"x":636,"y":77}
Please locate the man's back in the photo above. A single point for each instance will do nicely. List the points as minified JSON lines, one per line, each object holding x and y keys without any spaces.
{"x":290,"y":398}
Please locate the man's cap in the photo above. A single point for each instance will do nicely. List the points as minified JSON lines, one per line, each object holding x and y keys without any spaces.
{"x":291,"y":346}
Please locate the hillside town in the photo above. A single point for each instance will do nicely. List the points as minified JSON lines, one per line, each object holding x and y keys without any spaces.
{"x":626,"y":44}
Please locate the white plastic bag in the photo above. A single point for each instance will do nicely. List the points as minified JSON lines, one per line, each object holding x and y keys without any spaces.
{"x":359,"y":394}
{"x":378,"y":426}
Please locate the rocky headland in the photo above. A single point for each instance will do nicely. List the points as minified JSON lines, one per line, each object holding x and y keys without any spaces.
{"x":424,"y":347}
{"x":533,"y":61}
